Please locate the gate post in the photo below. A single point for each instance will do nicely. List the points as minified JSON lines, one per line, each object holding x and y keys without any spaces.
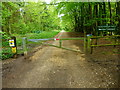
{"x":89,"y":43}
{"x":25,"y":45}
{"x":115,"y":40}
{"x":60,"y":42}
{"x":85,"y":44}
{"x":12,"y":43}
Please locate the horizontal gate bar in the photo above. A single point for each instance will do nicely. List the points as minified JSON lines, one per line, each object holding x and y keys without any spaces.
{"x":72,"y":38}
{"x":94,"y":37}
{"x":105,"y":45}
{"x":62,"y":47}
{"x":35,"y":40}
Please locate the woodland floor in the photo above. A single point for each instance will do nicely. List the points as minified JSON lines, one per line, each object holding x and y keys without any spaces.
{"x":51,"y":67}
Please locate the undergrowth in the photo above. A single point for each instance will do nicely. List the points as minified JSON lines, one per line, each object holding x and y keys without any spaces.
{"x":6,"y":49}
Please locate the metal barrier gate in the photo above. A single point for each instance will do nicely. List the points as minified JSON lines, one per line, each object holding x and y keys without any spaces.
{"x":59,"y":46}
{"x":88,"y":46}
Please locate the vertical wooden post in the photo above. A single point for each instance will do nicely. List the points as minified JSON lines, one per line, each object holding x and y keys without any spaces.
{"x":25,"y":46}
{"x":115,"y":40}
{"x":14,"y":48}
{"x":85,"y":41}
{"x":96,"y":41}
{"x":85,"y":44}
{"x":60,"y":43}
{"x":89,"y":44}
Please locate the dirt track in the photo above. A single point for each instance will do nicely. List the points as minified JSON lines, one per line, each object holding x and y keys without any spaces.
{"x":52,"y":67}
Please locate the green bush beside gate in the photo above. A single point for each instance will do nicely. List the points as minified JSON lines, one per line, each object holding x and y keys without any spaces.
{"x":6,"y":49}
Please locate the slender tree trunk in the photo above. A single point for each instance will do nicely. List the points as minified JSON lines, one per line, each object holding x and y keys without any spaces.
{"x":90,"y":16}
{"x":118,"y":15}
{"x":100,"y":12}
{"x":9,"y":28}
{"x":104,"y":12}
{"x":109,"y":5}
{"x":96,"y":13}
{"x":82,"y":17}
{"x":90,"y":11}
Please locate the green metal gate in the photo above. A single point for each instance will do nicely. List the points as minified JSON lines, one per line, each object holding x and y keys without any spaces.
{"x":51,"y":39}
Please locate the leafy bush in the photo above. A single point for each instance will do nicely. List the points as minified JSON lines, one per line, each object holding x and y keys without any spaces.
{"x":6,"y":53}
{"x":45,"y":34}
{"x":6,"y":49}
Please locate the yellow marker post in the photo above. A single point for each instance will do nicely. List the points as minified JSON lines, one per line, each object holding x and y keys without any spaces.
{"x":12,"y":43}
{"x":14,"y":50}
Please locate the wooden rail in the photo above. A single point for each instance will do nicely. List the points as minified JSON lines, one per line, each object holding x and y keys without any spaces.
{"x":89,"y":45}
{"x":49,"y":39}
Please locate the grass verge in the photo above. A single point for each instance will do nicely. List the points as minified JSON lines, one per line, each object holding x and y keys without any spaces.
{"x":6,"y":52}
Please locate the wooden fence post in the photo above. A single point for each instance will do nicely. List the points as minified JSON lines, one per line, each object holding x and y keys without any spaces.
{"x":85,"y":44}
{"x":60,"y":43}
{"x":89,"y":44}
{"x":115,"y":40}
{"x":14,"y":47}
{"x":25,"y":46}
{"x":96,"y":41}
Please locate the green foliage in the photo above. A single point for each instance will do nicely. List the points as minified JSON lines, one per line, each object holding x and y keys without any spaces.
{"x":6,"y":50}
{"x":6,"y":53}
{"x":79,"y":16}
{"x":45,"y":34}
{"x":25,"y":17}
{"x":21,"y":18}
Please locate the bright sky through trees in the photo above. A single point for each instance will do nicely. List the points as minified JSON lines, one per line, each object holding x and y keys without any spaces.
{"x":60,"y":15}
{"x":47,"y":1}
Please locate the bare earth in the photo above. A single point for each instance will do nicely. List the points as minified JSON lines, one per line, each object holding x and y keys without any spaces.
{"x":51,"y":67}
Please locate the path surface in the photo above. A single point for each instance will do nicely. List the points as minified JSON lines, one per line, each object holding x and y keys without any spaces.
{"x":52,"y":67}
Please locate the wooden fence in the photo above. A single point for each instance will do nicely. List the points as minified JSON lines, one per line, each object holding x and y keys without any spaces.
{"x":89,"y":39}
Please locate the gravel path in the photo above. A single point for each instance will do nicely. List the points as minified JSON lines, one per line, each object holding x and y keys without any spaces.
{"x":52,"y":67}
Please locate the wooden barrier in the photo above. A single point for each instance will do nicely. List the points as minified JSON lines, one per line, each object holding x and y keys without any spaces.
{"x":25,"y":45}
{"x":90,"y":45}
{"x":60,"y":43}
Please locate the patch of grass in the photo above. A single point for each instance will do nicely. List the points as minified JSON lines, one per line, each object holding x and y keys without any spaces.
{"x":103,"y":52}
{"x":115,"y":50}
{"x":44,"y":34}
{"x":6,"y":51}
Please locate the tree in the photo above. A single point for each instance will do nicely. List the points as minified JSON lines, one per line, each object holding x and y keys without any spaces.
{"x":24,"y":17}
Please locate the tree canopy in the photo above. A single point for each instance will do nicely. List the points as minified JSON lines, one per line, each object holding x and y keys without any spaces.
{"x":24,"y":17}
{"x":80,"y":16}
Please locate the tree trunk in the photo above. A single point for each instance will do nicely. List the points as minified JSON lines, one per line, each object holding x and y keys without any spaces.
{"x":82,"y":17}
{"x":90,"y":11}
{"x":118,"y":15}
{"x":104,"y":12}
{"x":100,"y":13}
{"x":109,"y":5}
{"x":96,"y":14}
